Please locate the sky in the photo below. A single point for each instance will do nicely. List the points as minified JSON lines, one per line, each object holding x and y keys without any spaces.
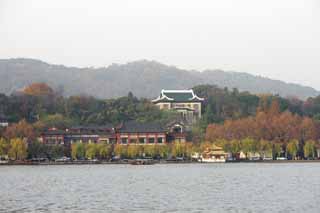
{"x":279,"y":39}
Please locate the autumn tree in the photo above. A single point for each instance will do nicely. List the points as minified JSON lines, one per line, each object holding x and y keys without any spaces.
{"x":18,"y":149}
{"x":38,"y":89}
{"x":20,"y":130}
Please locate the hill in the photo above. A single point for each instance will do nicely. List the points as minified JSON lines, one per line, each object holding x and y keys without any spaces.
{"x":143,"y":78}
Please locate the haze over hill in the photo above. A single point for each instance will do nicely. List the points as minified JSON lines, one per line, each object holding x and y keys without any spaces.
{"x":143,"y":78}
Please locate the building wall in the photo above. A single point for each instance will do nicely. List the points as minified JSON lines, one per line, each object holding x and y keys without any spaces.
{"x":141,"y":138}
{"x":191,"y":105}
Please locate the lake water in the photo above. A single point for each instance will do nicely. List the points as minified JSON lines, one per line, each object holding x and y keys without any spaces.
{"x":238,"y":187}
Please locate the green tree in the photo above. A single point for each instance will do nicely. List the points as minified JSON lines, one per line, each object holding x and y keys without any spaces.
{"x":103,"y":151}
{"x":121,"y":150}
{"x":277,"y":149}
{"x":248,"y":145}
{"x":36,"y":149}
{"x":133,"y":151}
{"x":292,"y":148}
{"x":18,"y":149}
{"x":163,"y":150}
{"x":309,"y":149}
{"x":4,"y":146}
{"x":149,"y":150}
{"x":78,"y":151}
{"x":264,"y":148}
{"x":235,"y":147}
{"x":91,"y":151}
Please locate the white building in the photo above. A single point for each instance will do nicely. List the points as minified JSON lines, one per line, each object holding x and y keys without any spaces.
{"x":184,"y":101}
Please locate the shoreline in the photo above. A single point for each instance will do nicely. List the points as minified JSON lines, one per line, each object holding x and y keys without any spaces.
{"x":155,"y":162}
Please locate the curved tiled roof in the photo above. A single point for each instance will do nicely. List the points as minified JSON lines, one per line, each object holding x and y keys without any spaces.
{"x":178,"y":96}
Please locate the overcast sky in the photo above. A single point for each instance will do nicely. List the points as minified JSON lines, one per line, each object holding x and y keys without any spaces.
{"x":274,"y":38}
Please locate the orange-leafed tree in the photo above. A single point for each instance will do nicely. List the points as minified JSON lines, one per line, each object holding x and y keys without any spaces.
{"x":21,"y":129}
{"x":38,"y":89}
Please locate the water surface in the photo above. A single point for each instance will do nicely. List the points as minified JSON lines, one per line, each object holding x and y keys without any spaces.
{"x":239,"y":187}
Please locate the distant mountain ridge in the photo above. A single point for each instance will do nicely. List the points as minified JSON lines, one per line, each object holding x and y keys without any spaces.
{"x":143,"y":78}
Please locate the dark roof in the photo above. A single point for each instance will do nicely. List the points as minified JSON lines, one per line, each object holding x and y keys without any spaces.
{"x":93,"y":127}
{"x":137,"y":127}
{"x":54,"y":132}
{"x":179,"y":96}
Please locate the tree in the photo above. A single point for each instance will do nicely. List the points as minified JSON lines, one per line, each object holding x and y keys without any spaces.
{"x":264,"y":147}
{"x":248,"y":145}
{"x":121,"y":150}
{"x":149,"y":150}
{"x":38,"y":89}
{"x":235,"y":147}
{"x":20,"y":130}
{"x":292,"y":148}
{"x":103,"y":151}
{"x":4,"y":146}
{"x":178,"y":149}
{"x":309,"y":149}
{"x":36,"y":149}
{"x":163,"y":150}
{"x":91,"y":150}
{"x":78,"y":151}
{"x":133,"y":151}
{"x":18,"y":149}
{"x":276,"y":151}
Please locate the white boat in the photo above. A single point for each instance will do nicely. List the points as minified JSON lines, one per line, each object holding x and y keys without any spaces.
{"x":4,"y":161}
{"x":213,"y":154}
{"x":213,"y":159}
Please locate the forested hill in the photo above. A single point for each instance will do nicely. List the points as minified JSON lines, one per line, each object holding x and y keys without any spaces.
{"x":143,"y":78}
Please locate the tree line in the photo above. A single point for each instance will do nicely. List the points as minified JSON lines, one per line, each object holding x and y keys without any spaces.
{"x":227,"y":114}
{"x":270,"y":129}
{"x":19,"y":149}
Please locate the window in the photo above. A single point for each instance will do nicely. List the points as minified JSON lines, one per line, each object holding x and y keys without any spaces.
{"x":160,"y":140}
{"x":142,"y":140}
{"x":133,"y":140}
{"x":124,"y":140}
{"x":151,"y":140}
{"x":112,"y":140}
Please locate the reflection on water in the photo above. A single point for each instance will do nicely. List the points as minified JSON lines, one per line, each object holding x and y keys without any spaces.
{"x":162,"y":188}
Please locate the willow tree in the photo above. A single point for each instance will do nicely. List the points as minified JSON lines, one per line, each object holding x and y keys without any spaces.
{"x":309,"y":149}
{"x":78,"y":151}
{"x":292,"y":148}
{"x":91,"y":150}
{"x":4,"y":145}
{"x":264,"y":147}
{"x":18,"y":149}
{"x":103,"y":150}
{"x":248,"y":145}
{"x":276,"y":150}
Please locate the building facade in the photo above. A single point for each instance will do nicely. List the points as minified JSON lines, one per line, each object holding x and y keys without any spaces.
{"x":126,"y":133}
{"x":186,"y":102}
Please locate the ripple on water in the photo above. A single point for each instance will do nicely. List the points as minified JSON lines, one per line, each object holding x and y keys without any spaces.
{"x":162,"y":188}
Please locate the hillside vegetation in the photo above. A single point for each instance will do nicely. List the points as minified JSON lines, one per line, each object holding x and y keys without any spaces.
{"x":143,"y":78}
